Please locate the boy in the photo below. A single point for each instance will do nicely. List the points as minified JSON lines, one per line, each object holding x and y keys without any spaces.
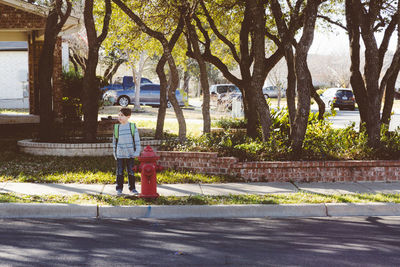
{"x":126,"y":146}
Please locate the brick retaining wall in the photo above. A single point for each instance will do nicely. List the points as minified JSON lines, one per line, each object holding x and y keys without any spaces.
{"x":283,"y":171}
{"x":263,"y":171}
{"x":74,"y":149}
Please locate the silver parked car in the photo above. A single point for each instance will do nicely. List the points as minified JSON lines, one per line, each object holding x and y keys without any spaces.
{"x":149,"y":95}
{"x":273,"y":92}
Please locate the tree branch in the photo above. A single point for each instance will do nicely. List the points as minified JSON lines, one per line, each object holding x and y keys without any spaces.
{"x":274,"y":58}
{"x":272,"y":37}
{"x":332,"y":21}
{"x":143,"y":27}
{"x":386,"y":38}
{"x":63,"y":17}
{"x":203,"y":32}
{"x":218,"y":33}
{"x":106,"y":22}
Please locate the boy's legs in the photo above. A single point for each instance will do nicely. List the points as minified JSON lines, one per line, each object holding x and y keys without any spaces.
{"x":131,"y":174}
{"x":120,"y":174}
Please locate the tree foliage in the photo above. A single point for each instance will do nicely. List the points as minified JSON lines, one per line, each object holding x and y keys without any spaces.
{"x":161,"y":20}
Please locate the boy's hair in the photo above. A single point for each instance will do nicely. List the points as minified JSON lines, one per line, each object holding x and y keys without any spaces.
{"x":126,"y":111}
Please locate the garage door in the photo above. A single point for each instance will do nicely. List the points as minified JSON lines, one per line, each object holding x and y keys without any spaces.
{"x":14,"y":89}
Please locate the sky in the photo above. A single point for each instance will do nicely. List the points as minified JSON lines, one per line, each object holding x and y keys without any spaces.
{"x":338,"y":42}
{"x":329,"y":43}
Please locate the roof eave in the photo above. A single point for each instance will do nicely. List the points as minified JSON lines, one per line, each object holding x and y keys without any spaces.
{"x":31,"y":8}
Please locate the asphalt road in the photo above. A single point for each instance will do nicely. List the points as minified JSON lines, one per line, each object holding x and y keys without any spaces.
{"x":356,"y":241}
{"x":344,"y":118}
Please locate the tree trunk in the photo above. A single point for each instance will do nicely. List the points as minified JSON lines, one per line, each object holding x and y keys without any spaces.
{"x":163,"y":97}
{"x":259,"y":67}
{"x":54,"y":23}
{"x":172,"y":86}
{"x":206,"y":96}
{"x":250,"y":110}
{"x":71,"y":59}
{"x":320,"y":103}
{"x":303,"y":102}
{"x":107,"y":72}
{"x":90,"y":97}
{"x":389,"y":94}
{"x":291,"y":81}
{"x":46,"y":61}
{"x":111,"y":70}
{"x":371,"y":77}
{"x":317,"y":98}
{"x":137,"y":74}
{"x":198,"y":88}
{"x":367,"y":89}
{"x":391,"y":77}
{"x":186,"y":81}
{"x":77,"y":59}
{"x":303,"y":78}
{"x":297,"y":71}
{"x":91,"y":90}
{"x":194,"y":42}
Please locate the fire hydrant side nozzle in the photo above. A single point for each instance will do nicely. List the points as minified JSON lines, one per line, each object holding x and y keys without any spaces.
{"x":148,"y":168}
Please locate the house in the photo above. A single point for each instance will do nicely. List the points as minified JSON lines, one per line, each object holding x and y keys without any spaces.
{"x":21,"y":38}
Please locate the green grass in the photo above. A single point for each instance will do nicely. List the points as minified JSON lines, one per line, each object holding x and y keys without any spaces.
{"x":296,"y":198}
{"x":19,"y":167}
{"x":15,"y":111}
{"x":193,"y":128}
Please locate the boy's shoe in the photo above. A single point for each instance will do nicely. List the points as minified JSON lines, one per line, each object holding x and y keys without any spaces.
{"x":134,"y":192}
{"x":119,"y":192}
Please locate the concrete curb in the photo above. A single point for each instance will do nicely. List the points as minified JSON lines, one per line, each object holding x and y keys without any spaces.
{"x":39,"y":210}
{"x":363,"y":209}
{"x":214,"y":211}
{"x":35,"y":210}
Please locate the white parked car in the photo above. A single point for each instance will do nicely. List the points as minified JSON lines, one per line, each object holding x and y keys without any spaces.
{"x":220,"y":89}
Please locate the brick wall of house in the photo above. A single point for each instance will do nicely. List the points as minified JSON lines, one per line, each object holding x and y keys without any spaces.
{"x":34,"y":49}
{"x":297,"y":171}
{"x":12,"y":18}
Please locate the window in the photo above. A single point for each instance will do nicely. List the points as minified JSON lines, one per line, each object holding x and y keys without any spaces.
{"x":222,"y":89}
{"x":150,"y":87}
{"x":346,"y":93}
{"x":118,"y":80}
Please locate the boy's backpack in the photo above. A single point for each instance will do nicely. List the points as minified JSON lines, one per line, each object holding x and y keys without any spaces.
{"x":116,"y":134}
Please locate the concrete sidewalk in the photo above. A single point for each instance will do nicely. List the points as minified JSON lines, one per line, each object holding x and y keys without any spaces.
{"x":206,"y":189}
{"x":30,"y":210}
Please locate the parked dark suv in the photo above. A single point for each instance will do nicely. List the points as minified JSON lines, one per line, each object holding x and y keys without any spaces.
{"x":342,"y":98}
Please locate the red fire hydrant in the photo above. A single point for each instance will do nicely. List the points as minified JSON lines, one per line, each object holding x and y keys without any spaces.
{"x":148,"y":168}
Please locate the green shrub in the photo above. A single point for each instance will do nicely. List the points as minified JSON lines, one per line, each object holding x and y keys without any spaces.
{"x":72,"y":91}
{"x":231,"y":123}
{"x":321,"y":142}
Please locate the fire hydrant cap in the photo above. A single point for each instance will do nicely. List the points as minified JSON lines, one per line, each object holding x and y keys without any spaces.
{"x":148,"y":153}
